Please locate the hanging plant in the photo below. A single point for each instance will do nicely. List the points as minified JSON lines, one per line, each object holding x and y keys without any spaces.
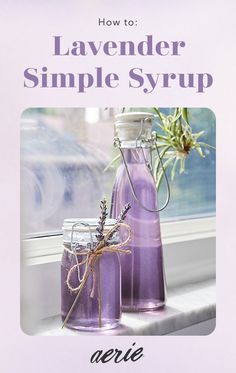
{"x":175,"y":141}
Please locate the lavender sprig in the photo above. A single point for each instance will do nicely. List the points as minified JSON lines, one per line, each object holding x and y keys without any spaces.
{"x":123,"y":213}
{"x":120,"y":219}
{"x":102,"y":220}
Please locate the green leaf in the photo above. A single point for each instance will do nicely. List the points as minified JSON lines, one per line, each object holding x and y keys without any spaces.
{"x":156,"y":110}
{"x":156,"y":165}
{"x":170,"y":153}
{"x":199,"y":150}
{"x":162,"y":138}
{"x":176,"y":116}
{"x":161,"y":173}
{"x":161,"y":126}
{"x":184,"y":112}
{"x":182,"y":165}
{"x":159,"y":145}
{"x":197,"y":135}
{"x":206,"y":145}
{"x":174,"y":168}
{"x":113,"y":161}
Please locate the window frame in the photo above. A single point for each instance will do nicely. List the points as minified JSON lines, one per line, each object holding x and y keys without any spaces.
{"x":49,"y":249}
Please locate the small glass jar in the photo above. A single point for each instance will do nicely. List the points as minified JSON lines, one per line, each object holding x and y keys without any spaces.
{"x":99,"y":304}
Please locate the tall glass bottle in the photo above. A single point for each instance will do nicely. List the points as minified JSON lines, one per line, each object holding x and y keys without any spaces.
{"x":143,"y":280}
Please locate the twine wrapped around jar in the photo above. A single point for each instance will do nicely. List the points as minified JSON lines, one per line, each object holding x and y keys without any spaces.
{"x":91,"y":256}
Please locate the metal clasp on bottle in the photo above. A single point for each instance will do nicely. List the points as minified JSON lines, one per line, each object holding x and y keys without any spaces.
{"x":141,"y":143}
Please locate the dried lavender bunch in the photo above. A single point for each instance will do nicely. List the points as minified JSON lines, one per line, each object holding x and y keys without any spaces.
{"x":102,"y":220}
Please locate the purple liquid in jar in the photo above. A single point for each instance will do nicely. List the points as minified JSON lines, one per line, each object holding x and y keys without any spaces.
{"x":85,"y":315}
{"x":143,"y":280}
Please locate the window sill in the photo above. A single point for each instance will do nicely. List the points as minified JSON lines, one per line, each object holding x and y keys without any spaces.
{"x":190,"y":310}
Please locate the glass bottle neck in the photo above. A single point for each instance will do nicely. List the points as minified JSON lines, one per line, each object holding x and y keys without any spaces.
{"x":137,"y":155}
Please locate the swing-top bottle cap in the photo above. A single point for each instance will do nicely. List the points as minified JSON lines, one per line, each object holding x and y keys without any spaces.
{"x":133,"y":127}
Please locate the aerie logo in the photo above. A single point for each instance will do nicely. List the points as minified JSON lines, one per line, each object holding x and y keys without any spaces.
{"x":116,"y":355}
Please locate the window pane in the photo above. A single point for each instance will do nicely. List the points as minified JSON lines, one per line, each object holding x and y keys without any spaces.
{"x":63,"y":156}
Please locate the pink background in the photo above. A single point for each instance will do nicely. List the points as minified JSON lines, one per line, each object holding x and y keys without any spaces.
{"x":26,"y":30}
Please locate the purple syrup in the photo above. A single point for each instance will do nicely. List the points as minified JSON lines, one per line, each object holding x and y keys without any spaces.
{"x":85,"y":315}
{"x":143,"y":283}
